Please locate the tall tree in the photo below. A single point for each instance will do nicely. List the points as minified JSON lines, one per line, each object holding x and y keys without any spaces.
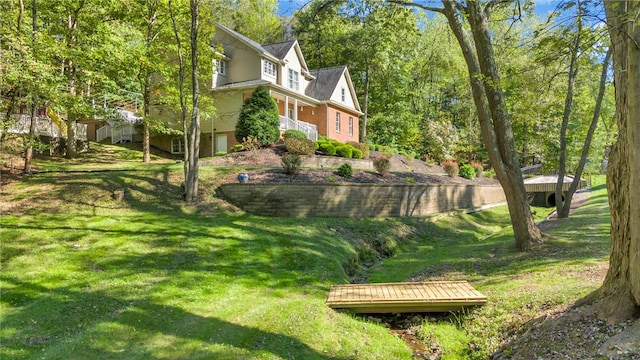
{"x":193,"y":143}
{"x":258,"y":20}
{"x":619,"y":296}
{"x":490,"y":103}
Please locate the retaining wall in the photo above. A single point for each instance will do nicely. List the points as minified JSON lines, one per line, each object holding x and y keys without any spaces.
{"x":358,"y":200}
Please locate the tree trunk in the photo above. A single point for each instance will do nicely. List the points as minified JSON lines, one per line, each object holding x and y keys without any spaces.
{"x":194,"y":128}
{"x":71,"y":83}
{"x":561,"y":205}
{"x":31,"y":138}
{"x":587,"y":141}
{"x":619,"y":296}
{"x":183,"y":105}
{"x":71,"y":117}
{"x":146,"y":86}
{"x":494,"y":120}
{"x":365,"y":103}
{"x":146,"y":95}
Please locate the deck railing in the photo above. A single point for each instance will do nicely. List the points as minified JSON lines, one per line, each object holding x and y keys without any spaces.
{"x":44,"y":127}
{"x":310,"y":130}
{"x":103,"y":133}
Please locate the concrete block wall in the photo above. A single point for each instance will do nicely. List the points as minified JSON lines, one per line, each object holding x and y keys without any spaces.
{"x":358,"y":200}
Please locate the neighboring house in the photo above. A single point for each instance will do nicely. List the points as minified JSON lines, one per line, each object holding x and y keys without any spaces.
{"x":318,"y":102}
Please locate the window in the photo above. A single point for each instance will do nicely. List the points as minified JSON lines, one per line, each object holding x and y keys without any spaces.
{"x":177,"y":145}
{"x":269,"y":68}
{"x":344,"y":95}
{"x":293,"y":79}
{"x":220,"y":67}
{"x":337,"y":122}
{"x":350,"y":126}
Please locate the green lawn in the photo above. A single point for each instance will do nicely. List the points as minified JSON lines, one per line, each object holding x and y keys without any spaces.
{"x":84,"y":276}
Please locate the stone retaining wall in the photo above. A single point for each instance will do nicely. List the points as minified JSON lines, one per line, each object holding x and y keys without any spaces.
{"x":358,"y":200}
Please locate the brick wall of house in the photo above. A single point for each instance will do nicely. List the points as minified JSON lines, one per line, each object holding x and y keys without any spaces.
{"x":358,"y":200}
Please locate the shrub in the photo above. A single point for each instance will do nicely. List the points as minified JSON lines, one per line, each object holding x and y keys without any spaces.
{"x":382,"y":165}
{"x":220,"y":153}
{"x":344,"y":151}
{"x":357,"y":154}
{"x":327,"y":148}
{"x":250,"y":143}
{"x":331,"y":179}
{"x":451,"y":167}
{"x":467,"y":172}
{"x":345,"y":170}
{"x":236,"y":148}
{"x":299,"y":146}
{"x":477,"y":167}
{"x":364,"y":148}
{"x":292,"y":133}
{"x":291,"y":164}
{"x":410,"y":180}
{"x":259,"y":118}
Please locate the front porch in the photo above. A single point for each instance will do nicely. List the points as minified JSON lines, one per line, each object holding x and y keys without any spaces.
{"x":309,"y":129}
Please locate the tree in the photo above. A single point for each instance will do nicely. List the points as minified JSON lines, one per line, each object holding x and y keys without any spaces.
{"x":259,"y":118}
{"x":193,"y":143}
{"x":258,"y":20}
{"x":619,"y":296}
{"x":490,"y":103}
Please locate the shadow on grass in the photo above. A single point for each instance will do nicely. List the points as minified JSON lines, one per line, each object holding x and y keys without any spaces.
{"x":469,"y":247}
{"x":83,"y":311}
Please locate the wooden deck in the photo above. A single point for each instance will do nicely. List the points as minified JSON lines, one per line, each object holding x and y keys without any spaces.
{"x":434,"y":296}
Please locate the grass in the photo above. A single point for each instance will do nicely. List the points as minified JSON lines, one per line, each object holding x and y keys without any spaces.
{"x":84,"y":276}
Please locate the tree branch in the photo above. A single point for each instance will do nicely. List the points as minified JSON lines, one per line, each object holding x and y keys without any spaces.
{"x":420,"y":6}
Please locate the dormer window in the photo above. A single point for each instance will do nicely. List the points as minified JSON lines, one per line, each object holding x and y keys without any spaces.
{"x":269,"y":68}
{"x":220,"y":67}
{"x":293,"y":79}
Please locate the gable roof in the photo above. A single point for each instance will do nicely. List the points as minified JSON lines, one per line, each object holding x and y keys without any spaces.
{"x":325,"y":82}
{"x":279,"y":50}
{"x":252,"y":44}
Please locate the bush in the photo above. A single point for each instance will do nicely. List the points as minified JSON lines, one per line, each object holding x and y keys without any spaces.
{"x":477,"y":167}
{"x":259,"y":118}
{"x":345,"y":170}
{"x":292,"y":133}
{"x":291,"y":164}
{"x":451,"y":167}
{"x":250,"y":143}
{"x":236,"y":148}
{"x":220,"y":153}
{"x":344,"y":151}
{"x":364,"y":148}
{"x":467,"y":172}
{"x":299,"y":146}
{"x":327,"y":148}
{"x":382,"y":165}
{"x":357,"y":154}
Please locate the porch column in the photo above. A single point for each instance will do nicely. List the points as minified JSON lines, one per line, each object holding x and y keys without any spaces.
{"x":295,"y":109}
{"x":286,"y":106}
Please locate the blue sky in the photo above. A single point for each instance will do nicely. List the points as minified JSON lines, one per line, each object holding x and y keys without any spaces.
{"x":287,"y":7}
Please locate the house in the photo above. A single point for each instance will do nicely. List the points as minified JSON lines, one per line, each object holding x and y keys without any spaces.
{"x":317,"y":102}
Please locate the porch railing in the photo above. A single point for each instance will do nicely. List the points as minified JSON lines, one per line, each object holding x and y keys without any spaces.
{"x":310,"y":130}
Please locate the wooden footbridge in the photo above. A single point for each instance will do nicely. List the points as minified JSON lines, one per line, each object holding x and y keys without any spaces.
{"x":433,"y":296}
